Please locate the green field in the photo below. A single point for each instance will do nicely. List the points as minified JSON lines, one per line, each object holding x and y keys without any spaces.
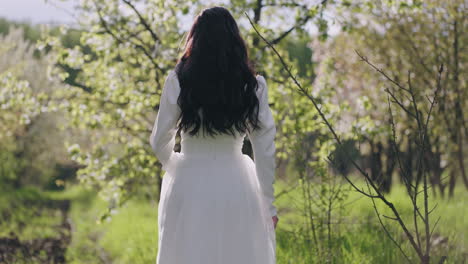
{"x":130,"y":234}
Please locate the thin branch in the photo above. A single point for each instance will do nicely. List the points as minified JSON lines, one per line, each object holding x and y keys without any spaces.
{"x":391,"y":218}
{"x":392,"y":80}
{"x":435,"y":206}
{"x":433,"y":228}
{"x":143,"y":21}
{"x":384,"y":227}
{"x":395,"y":100}
{"x":119,"y":40}
{"x":287,"y":32}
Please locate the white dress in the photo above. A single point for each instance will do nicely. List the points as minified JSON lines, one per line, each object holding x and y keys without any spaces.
{"x":213,"y":208}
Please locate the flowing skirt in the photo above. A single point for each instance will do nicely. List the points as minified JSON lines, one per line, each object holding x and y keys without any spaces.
{"x":211,"y":211}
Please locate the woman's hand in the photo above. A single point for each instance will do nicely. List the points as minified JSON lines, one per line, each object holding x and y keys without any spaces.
{"x":275,"y":220}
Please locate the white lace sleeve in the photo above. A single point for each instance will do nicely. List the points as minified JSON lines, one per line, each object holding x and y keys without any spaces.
{"x":162,"y":137}
{"x":263,"y":146}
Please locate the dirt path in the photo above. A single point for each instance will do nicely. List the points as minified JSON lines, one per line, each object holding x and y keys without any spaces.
{"x":45,"y":250}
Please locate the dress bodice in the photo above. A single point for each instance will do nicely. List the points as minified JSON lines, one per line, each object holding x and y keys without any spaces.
{"x":221,"y":144}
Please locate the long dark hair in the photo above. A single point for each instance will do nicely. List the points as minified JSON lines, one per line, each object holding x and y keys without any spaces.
{"x":216,"y":77}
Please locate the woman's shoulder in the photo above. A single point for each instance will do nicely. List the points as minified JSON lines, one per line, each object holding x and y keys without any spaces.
{"x":260,"y":78}
{"x":173,"y":77}
{"x":262,"y":85}
{"x":172,"y":74}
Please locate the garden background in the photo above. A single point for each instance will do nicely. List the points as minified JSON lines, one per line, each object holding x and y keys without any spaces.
{"x":370,"y":100}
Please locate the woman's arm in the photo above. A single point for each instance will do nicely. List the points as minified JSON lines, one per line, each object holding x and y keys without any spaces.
{"x":263,"y":145}
{"x":162,"y":137}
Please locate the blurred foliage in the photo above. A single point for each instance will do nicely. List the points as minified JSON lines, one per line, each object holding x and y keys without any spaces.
{"x":31,"y":138}
{"x":19,"y":206}
{"x":408,"y":42}
{"x":33,"y":33}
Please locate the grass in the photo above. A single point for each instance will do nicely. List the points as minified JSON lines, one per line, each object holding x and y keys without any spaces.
{"x":359,"y":238}
{"x":136,"y":228}
{"x":130,"y":236}
{"x":26,"y":214}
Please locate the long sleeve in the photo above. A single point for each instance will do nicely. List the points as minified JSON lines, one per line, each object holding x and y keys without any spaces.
{"x":263,"y":146}
{"x":162,"y":137}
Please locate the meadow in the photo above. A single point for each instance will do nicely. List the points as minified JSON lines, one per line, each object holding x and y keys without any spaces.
{"x":130,"y":235}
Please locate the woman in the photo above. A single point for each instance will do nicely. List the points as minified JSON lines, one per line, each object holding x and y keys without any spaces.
{"x":216,"y":204}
